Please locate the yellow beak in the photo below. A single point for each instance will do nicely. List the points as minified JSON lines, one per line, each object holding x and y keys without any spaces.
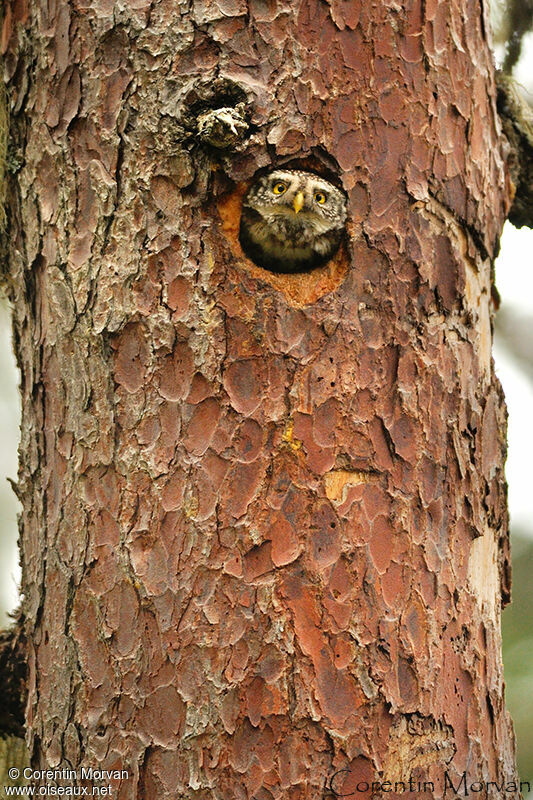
{"x":298,"y":202}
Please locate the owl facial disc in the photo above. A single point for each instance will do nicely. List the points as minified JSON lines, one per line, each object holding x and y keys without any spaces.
{"x":292,"y":221}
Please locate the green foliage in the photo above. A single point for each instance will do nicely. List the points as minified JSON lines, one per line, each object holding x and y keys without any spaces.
{"x":13,"y":753}
{"x":517,"y":653}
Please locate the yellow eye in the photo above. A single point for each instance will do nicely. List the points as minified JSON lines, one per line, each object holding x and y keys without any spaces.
{"x":279,"y":187}
{"x":320,"y":197}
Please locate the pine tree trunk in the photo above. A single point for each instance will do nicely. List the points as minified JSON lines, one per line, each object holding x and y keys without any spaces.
{"x":264,"y":529}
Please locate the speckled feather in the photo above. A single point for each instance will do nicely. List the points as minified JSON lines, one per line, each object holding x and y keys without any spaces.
{"x":276,"y":237}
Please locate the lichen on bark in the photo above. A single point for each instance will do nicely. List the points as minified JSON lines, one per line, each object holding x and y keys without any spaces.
{"x":4,"y":127}
{"x":517,"y":122}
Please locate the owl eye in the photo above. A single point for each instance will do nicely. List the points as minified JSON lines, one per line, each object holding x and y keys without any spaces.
{"x":279,"y":187}
{"x":320,"y":197}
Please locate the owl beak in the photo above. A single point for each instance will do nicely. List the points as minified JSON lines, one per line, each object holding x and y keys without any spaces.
{"x":298,"y":202}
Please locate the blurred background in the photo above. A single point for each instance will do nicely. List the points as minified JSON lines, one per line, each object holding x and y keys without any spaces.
{"x":513,"y":354}
{"x":512,"y":22}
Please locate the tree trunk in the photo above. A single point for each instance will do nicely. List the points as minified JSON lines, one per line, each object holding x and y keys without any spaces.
{"x":264,"y":528}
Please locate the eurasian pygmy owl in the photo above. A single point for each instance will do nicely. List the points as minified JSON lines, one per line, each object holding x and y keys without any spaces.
{"x":292,"y":221}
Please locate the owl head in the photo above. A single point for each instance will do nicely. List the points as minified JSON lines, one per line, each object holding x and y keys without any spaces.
{"x":292,"y":221}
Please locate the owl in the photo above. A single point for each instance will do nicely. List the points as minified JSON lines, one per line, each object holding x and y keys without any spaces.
{"x":292,"y":221}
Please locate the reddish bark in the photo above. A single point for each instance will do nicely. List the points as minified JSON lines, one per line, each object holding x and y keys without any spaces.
{"x":264,"y":533}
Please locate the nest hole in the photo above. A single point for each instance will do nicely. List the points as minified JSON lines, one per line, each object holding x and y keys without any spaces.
{"x":299,"y":288}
